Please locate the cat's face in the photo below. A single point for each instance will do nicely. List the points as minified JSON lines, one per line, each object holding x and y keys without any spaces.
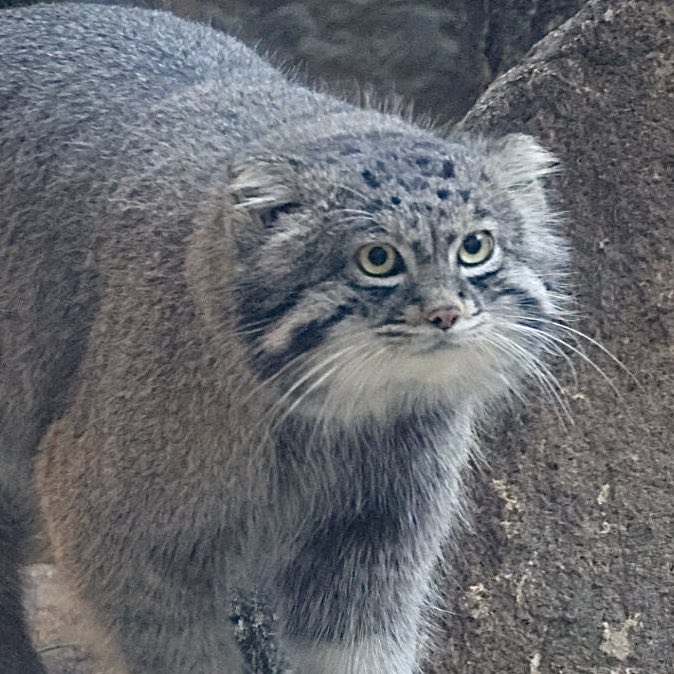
{"x":395,"y":273}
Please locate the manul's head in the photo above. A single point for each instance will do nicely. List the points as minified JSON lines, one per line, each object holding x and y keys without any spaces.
{"x":380,"y":270}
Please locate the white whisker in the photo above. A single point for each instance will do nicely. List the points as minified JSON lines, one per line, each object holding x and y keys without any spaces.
{"x":353,"y":191}
{"x":539,"y":370}
{"x":551,"y":337}
{"x":579,"y":333}
{"x":550,"y":344}
{"x":352,"y":211}
{"x":304,"y":379}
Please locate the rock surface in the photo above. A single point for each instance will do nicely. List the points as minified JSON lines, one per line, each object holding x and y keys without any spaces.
{"x":571,"y":564}
{"x":441,"y":54}
{"x":55,"y":627}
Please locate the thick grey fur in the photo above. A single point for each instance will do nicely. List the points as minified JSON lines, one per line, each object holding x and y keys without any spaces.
{"x":200,"y":389}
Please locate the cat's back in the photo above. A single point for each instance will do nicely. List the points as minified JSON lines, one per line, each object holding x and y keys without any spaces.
{"x":103,"y":108}
{"x":114,"y":124}
{"x":105,"y":86}
{"x":89,"y":61}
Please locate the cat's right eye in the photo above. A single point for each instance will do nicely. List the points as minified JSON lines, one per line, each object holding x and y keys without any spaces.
{"x":380,"y":260}
{"x":476,"y":248}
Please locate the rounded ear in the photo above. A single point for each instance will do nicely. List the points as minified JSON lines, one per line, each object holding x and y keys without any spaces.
{"x":261,"y":188}
{"x":517,"y":161}
{"x":518,"y":164}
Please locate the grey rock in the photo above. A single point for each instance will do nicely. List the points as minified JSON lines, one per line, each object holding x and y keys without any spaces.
{"x":570,"y":566}
{"x":515,"y":25}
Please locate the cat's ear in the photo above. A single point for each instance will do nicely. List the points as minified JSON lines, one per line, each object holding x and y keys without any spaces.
{"x":263,"y":189}
{"x":520,"y":165}
{"x":519,"y":162}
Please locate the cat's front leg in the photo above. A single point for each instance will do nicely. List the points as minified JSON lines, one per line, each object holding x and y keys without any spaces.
{"x":373,"y":655}
{"x":351,"y":600}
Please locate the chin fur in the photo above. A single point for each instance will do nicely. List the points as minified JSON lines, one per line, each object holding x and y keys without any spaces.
{"x":388,"y":379}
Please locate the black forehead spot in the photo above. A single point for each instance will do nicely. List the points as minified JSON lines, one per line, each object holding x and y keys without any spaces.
{"x":465,"y":195}
{"x":447,"y":169}
{"x":370,"y":179}
{"x":443,"y":194}
{"x":423,"y":161}
{"x":484,"y":177}
{"x":481,"y":212}
{"x":395,"y":200}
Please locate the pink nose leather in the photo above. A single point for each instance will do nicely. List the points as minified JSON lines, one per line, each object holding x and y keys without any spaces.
{"x":444,"y":318}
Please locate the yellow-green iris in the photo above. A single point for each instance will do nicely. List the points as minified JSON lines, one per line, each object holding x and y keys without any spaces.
{"x":476,"y":248}
{"x":379,"y":259}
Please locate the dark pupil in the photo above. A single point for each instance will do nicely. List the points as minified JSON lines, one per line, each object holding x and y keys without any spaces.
{"x":472,"y":244}
{"x":377,"y":256}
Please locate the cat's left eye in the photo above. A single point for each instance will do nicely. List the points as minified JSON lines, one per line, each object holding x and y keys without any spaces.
{"x":476,"y":248}
{"x":379,"y":259}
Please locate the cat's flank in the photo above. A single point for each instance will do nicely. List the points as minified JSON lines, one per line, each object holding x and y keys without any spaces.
{"x":246,"y":331}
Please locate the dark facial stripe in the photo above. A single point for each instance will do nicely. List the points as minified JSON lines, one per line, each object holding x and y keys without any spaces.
{"x":273,"y":214}
{"x":256,"y":302}
{"x":253,"y":315}
{"x":381,"y":292}
{"x":524,"y":300}
{"x":531,"y":308}
{"x":303,"y":340}
{"x":481,"y":281}
{"x":309,"y":337}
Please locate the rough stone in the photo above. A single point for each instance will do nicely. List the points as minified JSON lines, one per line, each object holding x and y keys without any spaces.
{"x":579,"y":576}
{"x":514,"y":25}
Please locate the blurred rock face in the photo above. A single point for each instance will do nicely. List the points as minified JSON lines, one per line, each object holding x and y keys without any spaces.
{"x":440,"y":54}
{"x":571,"y":567}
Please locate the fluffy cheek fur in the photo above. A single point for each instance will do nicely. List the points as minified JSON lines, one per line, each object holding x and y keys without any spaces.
{"x":375,"y":377}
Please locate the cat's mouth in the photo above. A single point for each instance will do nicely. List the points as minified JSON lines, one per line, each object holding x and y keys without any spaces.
{"x":424,"y":340}
{"x":435,"y":344}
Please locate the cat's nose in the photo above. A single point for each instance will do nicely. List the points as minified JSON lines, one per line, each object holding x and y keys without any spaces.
{"x":443,"y":318}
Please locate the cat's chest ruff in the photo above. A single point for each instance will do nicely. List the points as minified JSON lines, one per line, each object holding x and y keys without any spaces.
{"x":412,"y":446}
